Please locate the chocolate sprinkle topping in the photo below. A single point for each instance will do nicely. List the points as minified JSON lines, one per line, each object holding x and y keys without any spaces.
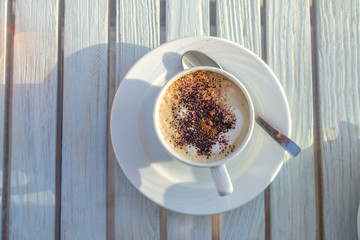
{"x":206,"y":116}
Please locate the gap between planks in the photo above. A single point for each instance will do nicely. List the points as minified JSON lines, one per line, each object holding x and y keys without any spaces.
{"x":111,"y":159}
{"x":317,"y":125}
{"x":163,"y":211}
{"x":267,"y":191}
{"x":163,"y":223}
{"x":59,"y":118}
{"x":215,"y":230}
{"x":9,"y":52}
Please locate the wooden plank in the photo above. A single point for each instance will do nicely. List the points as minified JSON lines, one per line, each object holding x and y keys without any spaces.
{"x":33,"y":133}
{"x":187,"y":18}
{"x":83,"y":192}
{"x":239,"y":21}
{"x":137,"y":31}
{"x":246,"y":222}
{"x":288,"y":47}
{"x":338,"y":54}
{"x":184,"y":19}
{"x":182,"y":226}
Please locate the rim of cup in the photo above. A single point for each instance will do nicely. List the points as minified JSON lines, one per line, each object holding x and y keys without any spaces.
{"x":231,"y":78}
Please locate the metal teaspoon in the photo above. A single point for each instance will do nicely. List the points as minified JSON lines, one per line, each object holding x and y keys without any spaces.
{"x":192,"y":59}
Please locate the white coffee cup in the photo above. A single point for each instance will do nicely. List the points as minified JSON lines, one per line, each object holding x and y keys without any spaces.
{"x":218,"y":169}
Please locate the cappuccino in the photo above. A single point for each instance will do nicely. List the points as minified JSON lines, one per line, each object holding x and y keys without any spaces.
{"x":203,"y":116}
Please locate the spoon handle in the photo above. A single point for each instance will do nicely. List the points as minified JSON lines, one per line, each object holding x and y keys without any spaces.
{"x":283,"y":140}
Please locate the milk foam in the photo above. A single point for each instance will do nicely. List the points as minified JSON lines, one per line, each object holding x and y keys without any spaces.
{"x":231,"y":135}
{"x":239,"y":107}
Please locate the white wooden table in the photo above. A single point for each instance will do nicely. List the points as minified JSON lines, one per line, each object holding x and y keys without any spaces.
{"x":61,"y":62}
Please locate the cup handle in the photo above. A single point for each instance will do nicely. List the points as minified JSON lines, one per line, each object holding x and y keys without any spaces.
{"x":222,"y":180}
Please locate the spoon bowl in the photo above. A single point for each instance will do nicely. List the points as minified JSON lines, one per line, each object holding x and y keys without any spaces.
{"x":194,"y":58}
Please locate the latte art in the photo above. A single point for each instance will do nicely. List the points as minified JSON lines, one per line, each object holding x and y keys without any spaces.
{"x":203,"y":116}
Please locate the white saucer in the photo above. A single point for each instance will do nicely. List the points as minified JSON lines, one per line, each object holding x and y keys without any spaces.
{"x":166,"y":181}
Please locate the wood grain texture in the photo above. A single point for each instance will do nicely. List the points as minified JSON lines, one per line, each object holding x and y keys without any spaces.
{"x":185,"y":19}
{"x":83,"y":188}
{"x":338,"y":52}
{"x":239,"y":21}
{"x":292,"y":193}
{"x":138,"y":31}
{"x":245,"y":222}
{"x":33,"y":139}
{"x":181,"y":226}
